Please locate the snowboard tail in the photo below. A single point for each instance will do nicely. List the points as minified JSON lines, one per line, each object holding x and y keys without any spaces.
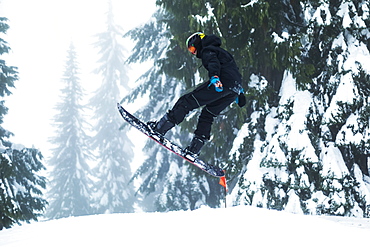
{"x":176,"y":149}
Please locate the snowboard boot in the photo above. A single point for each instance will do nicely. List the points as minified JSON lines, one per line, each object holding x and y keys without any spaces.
{"x":162,"y":126}
{"x":195,"y":146}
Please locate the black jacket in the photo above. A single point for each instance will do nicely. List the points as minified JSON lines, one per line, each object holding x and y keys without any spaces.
{"x":219,"y":62}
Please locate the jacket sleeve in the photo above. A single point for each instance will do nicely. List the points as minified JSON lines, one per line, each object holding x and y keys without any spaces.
{"x":211,"y":62}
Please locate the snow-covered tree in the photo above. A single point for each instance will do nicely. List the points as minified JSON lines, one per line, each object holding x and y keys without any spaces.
{"x":310,"y":150}
{"x":20,"y":185}
{"x":70,"y":190}
{"x":114,"y":192}
{"x":301,"y":143}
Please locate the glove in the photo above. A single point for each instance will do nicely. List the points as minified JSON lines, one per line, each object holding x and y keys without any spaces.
{"x":240,"y":100}
{"x":215,"y":81}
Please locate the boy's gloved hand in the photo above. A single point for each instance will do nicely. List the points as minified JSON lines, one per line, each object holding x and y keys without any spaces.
{"x":240,"y":100}
{"x":217,"y":83}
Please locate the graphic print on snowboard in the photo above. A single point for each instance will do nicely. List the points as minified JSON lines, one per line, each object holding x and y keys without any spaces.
{"x":143,"y":127}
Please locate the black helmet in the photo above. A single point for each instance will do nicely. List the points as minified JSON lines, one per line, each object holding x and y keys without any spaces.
{"x":193,"y":42}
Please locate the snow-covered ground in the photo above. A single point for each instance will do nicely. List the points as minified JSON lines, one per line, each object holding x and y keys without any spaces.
{"x":234,"y":226}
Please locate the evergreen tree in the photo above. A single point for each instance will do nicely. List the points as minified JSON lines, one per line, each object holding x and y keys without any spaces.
{"x":114,"y":192}
{"x":70,"y":192}
{"x":310,"y":161}
{"x":292,"y":56}
{"x":20,"y":186}
{"x":182,"y":72}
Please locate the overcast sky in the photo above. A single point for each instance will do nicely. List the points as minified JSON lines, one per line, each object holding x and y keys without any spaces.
{"x":39,"y":36}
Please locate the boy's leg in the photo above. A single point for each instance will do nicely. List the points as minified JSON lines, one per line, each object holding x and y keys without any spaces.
{"x":190,"y":101}
{"x":209,"y":112}
{"x":203,"y":130}
{"x":215,"y":102}
{"x":176,"y":115}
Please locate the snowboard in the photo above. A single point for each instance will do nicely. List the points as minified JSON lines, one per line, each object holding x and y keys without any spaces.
{"x":176,"y":149}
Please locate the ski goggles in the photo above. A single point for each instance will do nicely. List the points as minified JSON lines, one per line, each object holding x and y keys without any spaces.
{"x":192,"y":49}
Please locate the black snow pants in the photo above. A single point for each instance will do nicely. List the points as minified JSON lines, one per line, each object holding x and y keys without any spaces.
{"x":213,"y":102}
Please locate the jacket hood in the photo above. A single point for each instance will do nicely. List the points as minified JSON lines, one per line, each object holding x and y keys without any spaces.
{"x":208,"y":40}
{"x":211,"y":40}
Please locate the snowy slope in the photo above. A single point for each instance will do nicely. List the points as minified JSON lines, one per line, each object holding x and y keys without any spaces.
{"x":237,"y":226}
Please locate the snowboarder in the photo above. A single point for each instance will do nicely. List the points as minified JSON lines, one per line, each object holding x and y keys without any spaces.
{"x":215,"y":95}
